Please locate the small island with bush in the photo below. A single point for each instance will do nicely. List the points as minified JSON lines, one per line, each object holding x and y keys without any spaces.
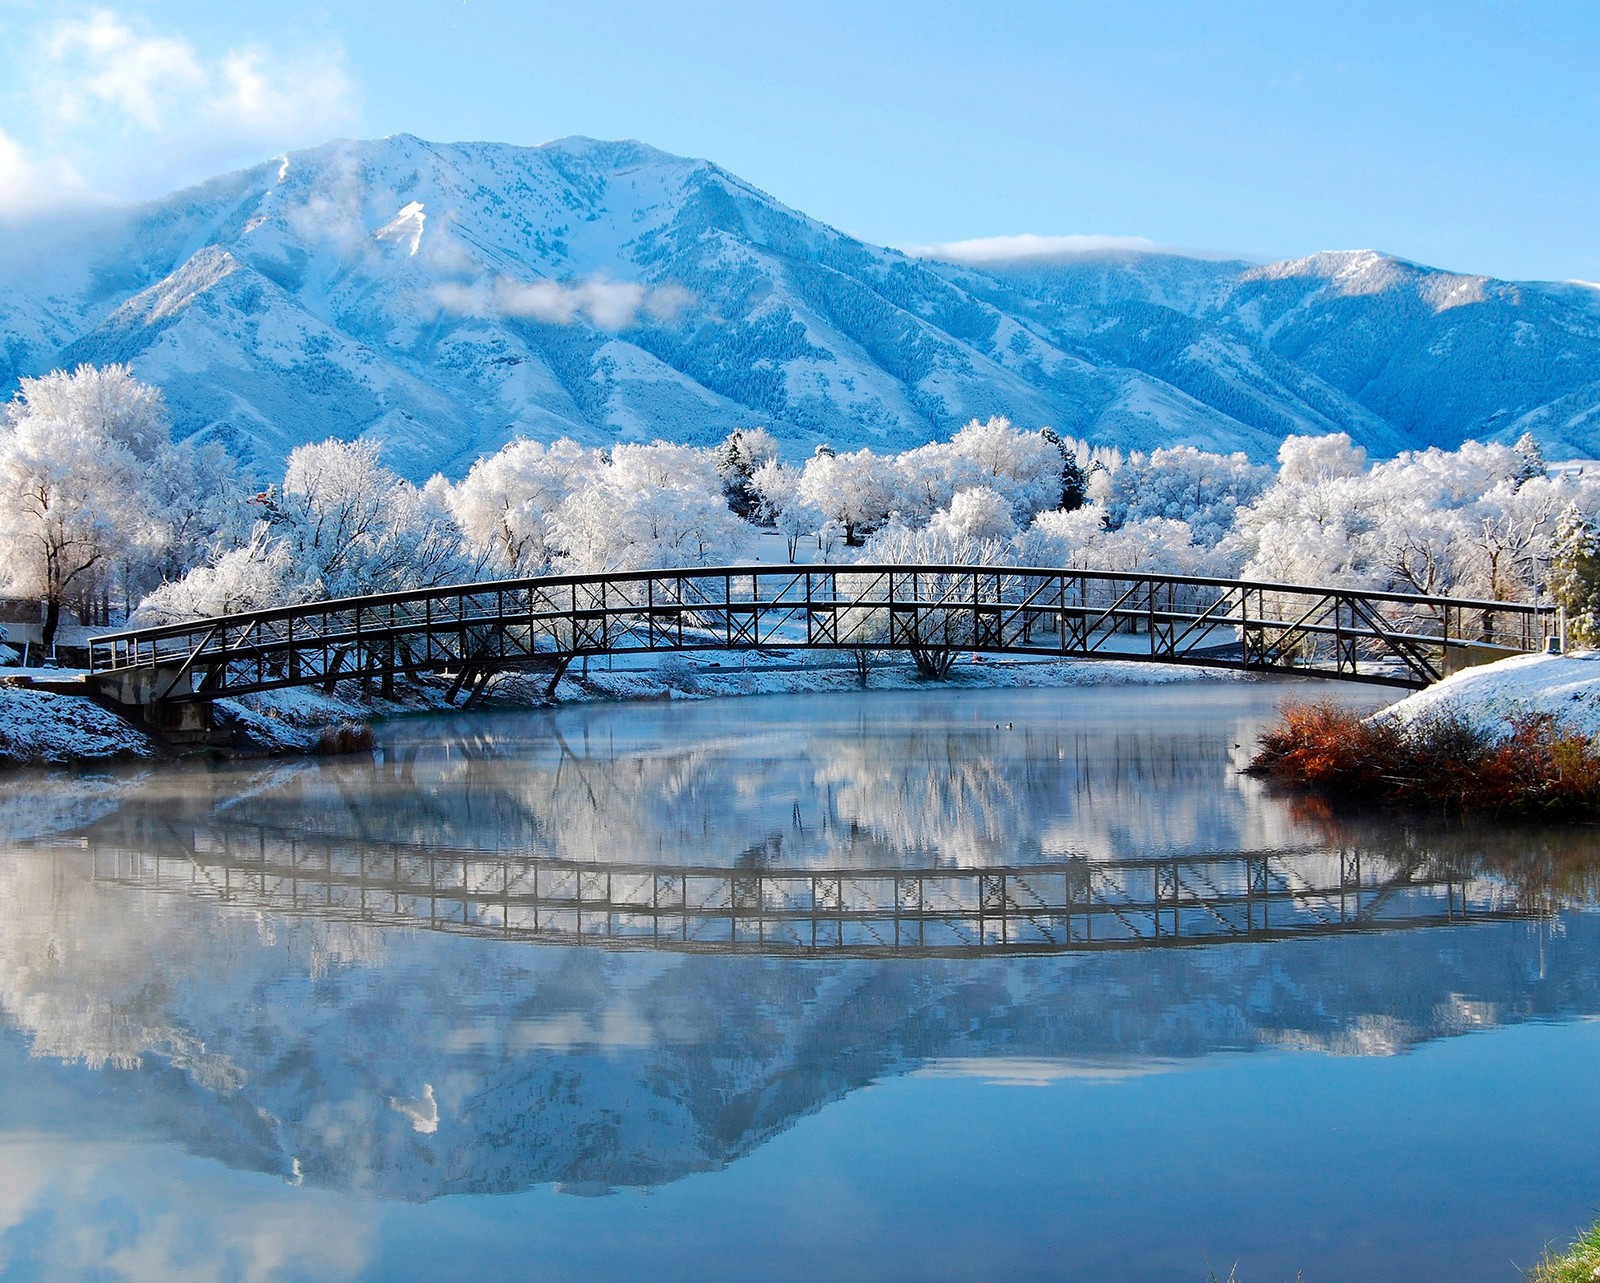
{"x":1518,"y":737}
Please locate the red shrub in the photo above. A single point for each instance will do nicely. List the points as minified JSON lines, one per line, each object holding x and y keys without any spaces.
{"x":1541,"y":766}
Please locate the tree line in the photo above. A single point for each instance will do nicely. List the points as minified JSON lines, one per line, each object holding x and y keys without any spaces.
{"x":104,"y":516}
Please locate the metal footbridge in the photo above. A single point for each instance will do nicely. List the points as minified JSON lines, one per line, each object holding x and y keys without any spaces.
{"x":933,"y":613}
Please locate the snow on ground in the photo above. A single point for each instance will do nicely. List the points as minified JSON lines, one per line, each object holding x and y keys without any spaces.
{"x":41,"y":727}
{"x":1491,"y":695}
{"x":295,"y":718}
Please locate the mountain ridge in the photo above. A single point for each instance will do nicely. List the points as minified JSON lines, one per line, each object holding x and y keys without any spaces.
{"x":445,"y":298}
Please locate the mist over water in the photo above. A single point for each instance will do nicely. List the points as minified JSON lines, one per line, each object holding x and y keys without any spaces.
{"x":1029,"y":981}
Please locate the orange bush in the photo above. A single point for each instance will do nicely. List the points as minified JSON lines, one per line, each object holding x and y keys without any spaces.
{"x":1542,"y":766}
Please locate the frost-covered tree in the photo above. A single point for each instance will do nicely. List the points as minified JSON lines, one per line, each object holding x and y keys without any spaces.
{"x":1533,"y":464}
{"x":942,"y":631}
{"x":504,"y":503}
{"x":1575,"y":574}
{"x":341,"y":525}
{"x":742,"y":454}
{"x":615,"y":524}
{"x":1304,"y":460}
{"x":1024,"y":467}
{"x":353,"y":527}
{"x":858,"y":490}
{"x":78,"y":500}
{"x":257,"y":576}
{"x":1074,"y":480}
{"x":976,"y":513}
{"x":781,"y":506}
{"x":1184,"y":484}
{"x":201,"y":501}
{"x":661,"y":464}
{"x":1079,"y":540}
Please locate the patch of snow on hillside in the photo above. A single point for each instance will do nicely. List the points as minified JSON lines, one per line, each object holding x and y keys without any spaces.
{"x":405,"y":228}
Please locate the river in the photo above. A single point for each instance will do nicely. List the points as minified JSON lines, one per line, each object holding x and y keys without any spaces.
{"x":946,"y":984}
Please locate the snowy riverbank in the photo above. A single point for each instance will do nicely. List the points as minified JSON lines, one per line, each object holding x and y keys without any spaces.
{"x":1492,"y":696}
{"x":1515,"y":738}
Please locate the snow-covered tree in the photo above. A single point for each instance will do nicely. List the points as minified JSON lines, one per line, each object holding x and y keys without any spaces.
{"x":353,"y":527}
{"x":1575,"y":574}
{"x":1306,"y":460}
{"x":1074,"y":480}
{"x":78,"y":455}
{"x":976,"y":513}
{"x":615,"y":524}
{"x":1079,"y":540}
{"x":1024,"y":467}
{"x":661,"y":464}
{"x":258,"y":576}
{"x":780,"y":505}
{"x":742,"y":454}
{"x":857,"y":490}
{"x":504,"y":503}
{"x":1184,"y":484}
{"x":942,"y":630}
{"x":201,"y":500}
{"x":1533,"y":464}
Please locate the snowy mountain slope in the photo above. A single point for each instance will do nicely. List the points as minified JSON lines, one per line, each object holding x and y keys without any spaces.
{"x":445,"y":298}
{"x":1434,"y":356}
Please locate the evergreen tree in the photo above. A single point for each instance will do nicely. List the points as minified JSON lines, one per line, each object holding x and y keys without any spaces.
{"x":1575,"y":574}
{"x":1533,"y":464}
{"x":1074,"y":481}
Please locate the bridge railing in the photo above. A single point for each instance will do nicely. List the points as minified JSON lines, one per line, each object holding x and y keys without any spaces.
{"x":920,"y":609}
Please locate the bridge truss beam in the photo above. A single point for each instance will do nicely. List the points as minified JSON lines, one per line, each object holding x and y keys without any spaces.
{"x":930,"y":612}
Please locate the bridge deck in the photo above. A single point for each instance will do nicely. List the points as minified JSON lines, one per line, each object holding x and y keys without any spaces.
{"x":930,"y":612}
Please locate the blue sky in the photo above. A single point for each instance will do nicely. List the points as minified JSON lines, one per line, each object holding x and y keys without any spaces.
{"x":1463,"y":135}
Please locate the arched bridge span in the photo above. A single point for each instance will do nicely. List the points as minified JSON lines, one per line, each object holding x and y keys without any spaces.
{"x":931,"y":612}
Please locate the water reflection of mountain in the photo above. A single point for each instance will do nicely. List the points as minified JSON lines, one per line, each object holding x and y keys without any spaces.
{"x":413,"y":1063}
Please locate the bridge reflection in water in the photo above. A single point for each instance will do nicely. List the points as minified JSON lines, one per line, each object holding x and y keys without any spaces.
{"x":1063,"y":905}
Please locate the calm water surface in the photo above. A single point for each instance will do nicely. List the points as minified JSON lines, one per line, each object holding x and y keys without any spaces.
{"x":942,"y":985}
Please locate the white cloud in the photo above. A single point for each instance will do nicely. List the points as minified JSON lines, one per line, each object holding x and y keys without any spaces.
{"x":1000,"y":249}
{"x":28,"y":184}
{"x":608,"y":305}
{"x":117,"y":111}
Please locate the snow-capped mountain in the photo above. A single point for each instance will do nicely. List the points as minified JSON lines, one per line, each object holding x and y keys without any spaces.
{"x":445,"y":298}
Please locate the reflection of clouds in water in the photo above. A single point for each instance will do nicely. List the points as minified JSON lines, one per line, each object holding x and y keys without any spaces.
{"x":423,"y":1110}
{"x":409,"y":1063}
{"x":1020,"y":1071}
{"x":148,"y":1214}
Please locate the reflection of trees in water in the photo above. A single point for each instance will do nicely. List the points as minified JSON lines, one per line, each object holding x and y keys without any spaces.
{"x":886,"y":795}
{"x":263,"y":1040}
{"x":1545,"y":866}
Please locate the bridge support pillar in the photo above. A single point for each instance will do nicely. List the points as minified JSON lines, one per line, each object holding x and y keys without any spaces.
{"x":143,"y":694}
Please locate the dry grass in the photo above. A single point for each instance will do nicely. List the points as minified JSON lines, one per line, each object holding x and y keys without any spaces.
{"x":1580,"y":1263}
{"x":1541,"y":768}
{"x":349,"y":737}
